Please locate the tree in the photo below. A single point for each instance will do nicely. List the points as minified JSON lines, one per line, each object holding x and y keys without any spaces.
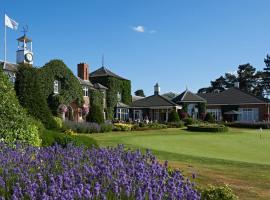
{"x":15,"y":124}
{"x":246,"y":77}
{"x":266,"y":76}
{"x":170,"y":95}
{"x":219,"y":84}
{"x":230,"y":79}
{"x":140,"y":93}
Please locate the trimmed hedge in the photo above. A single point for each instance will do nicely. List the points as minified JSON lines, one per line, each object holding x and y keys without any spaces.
{"x":215,"y":128}
{"x":255,"y":125}
{"x":15,"y":124}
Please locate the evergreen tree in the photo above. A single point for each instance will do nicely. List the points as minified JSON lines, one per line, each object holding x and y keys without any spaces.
{"x":246,"y":77}
{"x":139,"y":93}
{"x":266,"y":76}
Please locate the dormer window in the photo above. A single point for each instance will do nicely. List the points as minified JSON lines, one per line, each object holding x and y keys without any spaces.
{"x":56,"y":87}
{"x":85,"y":91}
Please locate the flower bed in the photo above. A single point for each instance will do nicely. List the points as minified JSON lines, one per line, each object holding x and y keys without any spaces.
{"x":207,"y":128}
{"x":79,"y":173}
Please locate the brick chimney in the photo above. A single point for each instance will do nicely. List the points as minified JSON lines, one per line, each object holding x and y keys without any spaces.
{"x":83,"y":71}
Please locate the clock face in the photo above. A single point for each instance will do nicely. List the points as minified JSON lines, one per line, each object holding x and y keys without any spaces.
{"x":29,"y":57}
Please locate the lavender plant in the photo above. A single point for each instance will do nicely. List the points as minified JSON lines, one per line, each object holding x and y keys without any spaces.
{"x":28,"y":172}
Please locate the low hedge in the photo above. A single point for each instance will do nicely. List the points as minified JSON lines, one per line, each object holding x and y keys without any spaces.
{"x":255,"y":125}
{"x":179,"y":124}
{"x":52,"y":137}
{"x":215,"y":128}
{"x":219,"y":192}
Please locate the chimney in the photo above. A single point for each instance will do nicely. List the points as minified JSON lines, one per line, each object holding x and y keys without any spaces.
{"x":236,"y":84}
{"x":156,"y":89}
{"x":83,"y":72}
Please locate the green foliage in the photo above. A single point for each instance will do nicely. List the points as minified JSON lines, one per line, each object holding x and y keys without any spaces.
{"x":189,"y":121}
{"x":59,"y":122}
{"x":253,"y":125}
{"x":95,"y":114}
{"x":215,"y":128}
{"x":28,"y":90}
{"x":184,"y":107}
{"x":179,"y":124}
{"x":51,"y":137}
{"x":70,"y":89}
{"x":15,"y":124}
{"x":173,"y":117}
{"x":201,"y":108}
{"x":220,"y":193}
{"x":209,"y":118}
{"x":114,"y":86}
{"x":139,"y":93}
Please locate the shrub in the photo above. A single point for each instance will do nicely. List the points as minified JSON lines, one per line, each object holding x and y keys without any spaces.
{"x":179,"y":124}
{"x":95,"y":115}
{"x":189,"y":121}
{"x":183,"y":115}
{"x":208,"y":128}
{"x":88,"y":173}
{"x":15,"y":124}
{"x":31,"y":97}
{"x":84,"y":127}
{"x":174,"y":117}
{"x":209,"y":118}
{"x":106,"y":127}
{"x":220,"y":193}
{"x":58,"y":122}
{"x":122,"y":127}
{"x":255,"y":125}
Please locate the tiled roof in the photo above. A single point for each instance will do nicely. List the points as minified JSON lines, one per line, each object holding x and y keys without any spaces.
{"x":85,"y":82}
{"x":188,"y":96}
{"x":9,"y":66}
{"x":153,"y":101}
{"x":99,"y":86}
{"x":121,"y":105}
{"x":232,"y":96}
{"x":136,"y":98}
{"x":104,"y":72}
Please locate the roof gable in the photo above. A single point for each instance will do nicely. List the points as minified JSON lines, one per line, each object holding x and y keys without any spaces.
{"x":103,"y":71}
{"x":153,"y":101}
{"x":188,"y":96}
{"x":232,"y":96}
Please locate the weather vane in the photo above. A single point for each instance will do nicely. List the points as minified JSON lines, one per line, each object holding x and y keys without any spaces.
{"x":25,"y":29}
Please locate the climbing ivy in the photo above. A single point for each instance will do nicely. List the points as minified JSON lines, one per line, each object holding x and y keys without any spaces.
{"x":30,"y":95}
{"x":114,"y":86}
{"x":70,"y":89}
{"x":201,"y":108}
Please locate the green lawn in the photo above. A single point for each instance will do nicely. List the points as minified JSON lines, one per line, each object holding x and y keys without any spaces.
{"x":240,"y":158}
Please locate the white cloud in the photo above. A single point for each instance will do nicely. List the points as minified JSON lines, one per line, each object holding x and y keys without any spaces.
{"x":139,"y":29}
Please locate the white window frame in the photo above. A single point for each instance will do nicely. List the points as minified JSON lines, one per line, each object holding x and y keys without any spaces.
{"x":216,"y":113}
{"x":56,"y":87}
{"x":85,"y":91}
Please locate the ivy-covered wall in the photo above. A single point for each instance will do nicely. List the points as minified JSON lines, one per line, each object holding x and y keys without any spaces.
{"x":30,"y":95}
{"x":114,"y":86}
{"x":70,"y":89}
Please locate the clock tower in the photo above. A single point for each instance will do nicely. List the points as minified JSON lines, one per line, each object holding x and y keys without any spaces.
{"x":24,"y":52}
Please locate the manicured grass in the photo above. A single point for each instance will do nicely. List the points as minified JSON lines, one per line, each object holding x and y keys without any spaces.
{"x":239,"y":158}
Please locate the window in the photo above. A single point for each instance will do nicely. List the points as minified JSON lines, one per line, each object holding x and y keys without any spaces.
{"x":122,"y":114}
{"x":119,"y":97}
{"x":85,"y":91}
{"x":56,"y":87}
{"x":216,"y":113}
{"x":249,"y":114}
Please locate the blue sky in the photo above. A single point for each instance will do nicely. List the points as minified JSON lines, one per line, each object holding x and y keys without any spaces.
{"x":176,"y":43}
